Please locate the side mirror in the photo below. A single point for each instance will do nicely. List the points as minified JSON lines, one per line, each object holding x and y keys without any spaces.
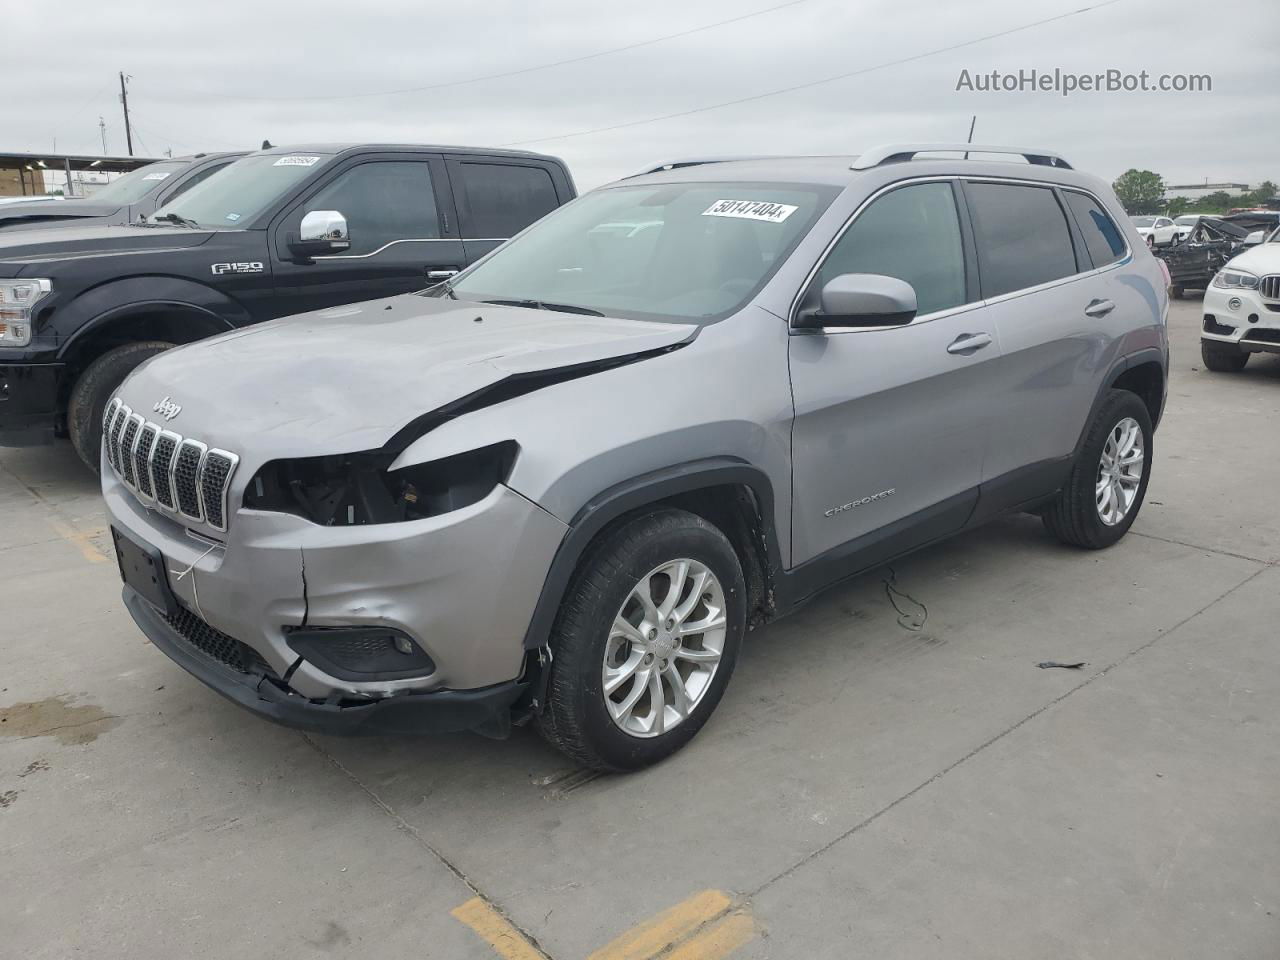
{"x":862,"y":300}
{"x":322,"y":232}
{"x":1255,"y":238}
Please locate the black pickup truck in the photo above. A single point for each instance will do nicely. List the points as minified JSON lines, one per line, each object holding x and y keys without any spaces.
{"x":278,"y":232}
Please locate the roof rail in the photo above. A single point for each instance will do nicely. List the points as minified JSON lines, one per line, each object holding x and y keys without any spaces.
{"x":694,"y":162}
{"x":899,"y":152}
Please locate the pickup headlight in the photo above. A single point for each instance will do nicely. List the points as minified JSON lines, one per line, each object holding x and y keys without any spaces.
{"x":1235,"y":278}
{"x":18,"y":299}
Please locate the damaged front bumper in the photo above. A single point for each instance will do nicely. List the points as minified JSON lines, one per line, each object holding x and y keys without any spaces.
{"x":461,"y":586}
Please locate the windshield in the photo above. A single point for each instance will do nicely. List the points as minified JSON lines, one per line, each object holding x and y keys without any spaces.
{"x":133,"y":186}
{"x":1187,"y":220}
{"x":1144,"y":221}
{"x":240,"y":191}
{"x":688,"y":251}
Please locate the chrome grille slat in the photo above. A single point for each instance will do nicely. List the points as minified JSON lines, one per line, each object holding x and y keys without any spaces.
{"x":161,"y":463}
{"x":128,"y":438}
{"x":177,"y":474}
{"x":142,"y":459}
{"x":185,"y":473}
{"x":1269,"y":286}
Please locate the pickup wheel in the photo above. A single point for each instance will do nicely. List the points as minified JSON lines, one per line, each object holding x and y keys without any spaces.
{"x":645,"y":641}
{"x":93,"y":390}
{"x":1222,"y":357}
{"x":1107,"y":483}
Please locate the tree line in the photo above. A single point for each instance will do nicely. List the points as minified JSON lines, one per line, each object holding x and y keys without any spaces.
{"x":1142,"y":192}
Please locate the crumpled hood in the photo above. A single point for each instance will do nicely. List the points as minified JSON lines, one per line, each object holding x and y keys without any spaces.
{"x":1262,"y":260}
{"x":349,"y":378}
{"x":68,"y":242}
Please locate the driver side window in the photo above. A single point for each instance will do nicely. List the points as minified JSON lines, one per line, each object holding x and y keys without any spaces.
{"x":383,"y":201}
{"x":913,"y":234}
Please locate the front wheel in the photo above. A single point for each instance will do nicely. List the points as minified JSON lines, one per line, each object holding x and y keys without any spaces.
{"x":1108,"y":481}
{"x":1222,"y":357}
{"x":645,"y":642}
{"x":94,"y":388}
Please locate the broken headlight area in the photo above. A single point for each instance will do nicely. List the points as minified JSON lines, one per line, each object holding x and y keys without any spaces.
{"x":360,"y":488}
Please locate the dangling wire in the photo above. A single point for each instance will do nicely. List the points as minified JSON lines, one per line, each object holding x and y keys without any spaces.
{"x":195,"y":592}
{"x":906,"y":620}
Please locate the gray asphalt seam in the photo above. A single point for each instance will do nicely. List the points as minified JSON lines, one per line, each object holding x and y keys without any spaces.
{"x":405,"y":826}
{"x":813,"y":855}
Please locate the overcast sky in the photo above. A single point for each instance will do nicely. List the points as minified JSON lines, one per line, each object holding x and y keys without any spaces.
{"x":221,"y":75}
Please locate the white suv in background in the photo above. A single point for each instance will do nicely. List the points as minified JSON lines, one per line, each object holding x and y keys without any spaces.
{"x":1242,"y":308}
{"x":1157,"y":231}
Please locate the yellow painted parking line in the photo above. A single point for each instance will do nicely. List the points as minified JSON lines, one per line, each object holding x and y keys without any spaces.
{"x":716,"y":940}
{"x":496,"y":930}
{"x":81,"y":541}
{"x":651,"y":937}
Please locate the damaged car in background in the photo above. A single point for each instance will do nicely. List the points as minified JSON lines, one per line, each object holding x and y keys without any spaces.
{"x":561,"y":486}
{"x":1194,"y":259}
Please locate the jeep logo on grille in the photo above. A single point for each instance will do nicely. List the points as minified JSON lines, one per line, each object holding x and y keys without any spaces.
{"x":167,"y":408}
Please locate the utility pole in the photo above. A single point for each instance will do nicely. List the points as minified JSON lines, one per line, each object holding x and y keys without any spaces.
{"x":972,"y":123}
{"x":124,"y":102}
{"x":102,"y":128}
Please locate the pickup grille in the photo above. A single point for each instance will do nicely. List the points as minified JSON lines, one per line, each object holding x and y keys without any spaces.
{"x":1269,"y":287}
{"x":180,"y":475}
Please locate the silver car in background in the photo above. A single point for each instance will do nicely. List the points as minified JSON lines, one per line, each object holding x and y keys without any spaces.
{"x":563,"y":484}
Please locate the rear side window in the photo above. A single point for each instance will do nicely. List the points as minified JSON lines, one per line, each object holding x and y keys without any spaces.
{"x":1022,"y":236}
{"x":913,"y":234}
{"x":1102,"y":238}
{"x":499,"y":200}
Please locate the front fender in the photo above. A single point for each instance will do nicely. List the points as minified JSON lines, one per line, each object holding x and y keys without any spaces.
{"x":209,"y":311}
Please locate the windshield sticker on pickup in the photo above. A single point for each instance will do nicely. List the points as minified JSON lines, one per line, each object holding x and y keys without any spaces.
{"x":296,"y":162}
{"x":155,"y":176}
{"x":751,"y":210}
{"x":233,"y":217}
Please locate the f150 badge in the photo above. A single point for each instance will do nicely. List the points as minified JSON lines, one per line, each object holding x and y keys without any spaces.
{"x":861,"y":503}
{"x":250,"y":266}
{"x":167,"y":408}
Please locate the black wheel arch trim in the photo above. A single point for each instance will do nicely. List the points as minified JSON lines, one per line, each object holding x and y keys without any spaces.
{"x":633,"y":494}
{"x":1127,"y":362}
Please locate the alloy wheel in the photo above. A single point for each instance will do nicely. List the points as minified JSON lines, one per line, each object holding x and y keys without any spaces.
{"x":664,"y":648}
{"x":1120,"y":471}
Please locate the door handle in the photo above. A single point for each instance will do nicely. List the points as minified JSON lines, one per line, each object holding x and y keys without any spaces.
{"x":968,"y":343}
{"x":443,"y":274}
{"x":1099,"y":308}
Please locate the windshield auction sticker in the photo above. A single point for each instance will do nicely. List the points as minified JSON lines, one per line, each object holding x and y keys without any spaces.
{"x":751,"y":210}
{"x":296,"y":162}
{"x":156,"y":176}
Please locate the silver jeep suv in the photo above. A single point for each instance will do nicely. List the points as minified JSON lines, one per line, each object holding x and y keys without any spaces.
{"x":563,"y":484}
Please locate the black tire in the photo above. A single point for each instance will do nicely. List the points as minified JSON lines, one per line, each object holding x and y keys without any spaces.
{"x":1222,"y":357}
{"x":1176,"y":292}
{"x":1072,"y":516}
{"x":93,"y":390}
{"x":575,"y":719}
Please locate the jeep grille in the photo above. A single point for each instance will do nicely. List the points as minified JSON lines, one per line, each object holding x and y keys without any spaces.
{"x":178,"y":474}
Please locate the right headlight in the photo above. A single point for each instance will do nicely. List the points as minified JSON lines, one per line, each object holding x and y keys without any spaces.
{"x":18,"y":299}
{"x":1235,"y":279}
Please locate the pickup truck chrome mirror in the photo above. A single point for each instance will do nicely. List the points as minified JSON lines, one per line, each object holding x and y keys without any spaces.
{"x":322,"y":232}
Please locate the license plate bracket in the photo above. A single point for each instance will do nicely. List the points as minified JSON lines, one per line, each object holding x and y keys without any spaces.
{"x":142,"y":567}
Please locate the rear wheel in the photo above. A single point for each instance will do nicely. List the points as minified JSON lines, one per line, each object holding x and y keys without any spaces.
{"x":1222,"y":357}
{"x":1108,"y":481}
{"x":645,"y":642}
{"x":94,"y":388}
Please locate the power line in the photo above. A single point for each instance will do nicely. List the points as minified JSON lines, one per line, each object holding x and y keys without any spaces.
{"x":811,"y":83}
{"x":512,"y":73}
